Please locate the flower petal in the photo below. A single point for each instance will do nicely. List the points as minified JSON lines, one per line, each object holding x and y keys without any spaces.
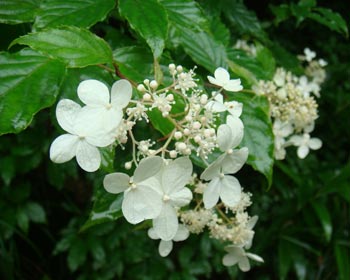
{"x":234,"y":108}
{"x":215,"y":106}
{"x":165,"y":247}
{"x":88,"y":156}
{"x":176,"y":175}
{"x":63,"y":148}
{"x":121,"y":94}
{"x":234,"y":161}
{"x":244,"y":264}
{"x":93,"y":93}
{"x":140,"y":204}
{"x":303,"y":151}
{"x":315,"y":143}
{"x":233,"y":85}
{"x":224,"y":137}
{"x":166,"y":224}
{"x":182,"y":233}
{"x":230,"y":191}
{"x":213,"y":170}
{"x":211,"y":193}
{"x":222,"y":76}
{"x":255,"y":257}
{"x":116,"y":182}
{"x":181,"y":197}
{"x":237,"y":129}
{"x":147,"y":168}
{"x":152,"y":234}
{"x":66,"y":114}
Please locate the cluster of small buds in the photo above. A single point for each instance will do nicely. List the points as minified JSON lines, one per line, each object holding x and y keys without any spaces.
{"x":293,"y":106}
{"x":243,"y":45}
{"x":197,"y":220}
{"x":121,"y":135}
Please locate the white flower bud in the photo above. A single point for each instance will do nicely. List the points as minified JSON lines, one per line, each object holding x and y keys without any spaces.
{"x":177,"y":135}
{"x":153,"y":84}
{"x":170,"y":97}
{"x":165,"y":114}
{"x":128,"y":165}
{"x":141,"y":88}
{"x":181,"y":146}
{"x":196,"y":125}
{"x":204,"y":99}
{"x":187,"y":131}
{"x":179,"y":68}
{"x":197,"y":139}
{"x":207,"y":133}
{"x":172,"y":67}
{"x":173,"y":154}
{"x":188,"y":118}
{"x":146,"y":82}
{"x":187,"y":151}
{"x":167,"y":108}
{"x":146,"y":97}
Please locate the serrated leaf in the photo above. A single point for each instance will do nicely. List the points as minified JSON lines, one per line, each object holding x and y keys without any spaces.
{"x":185,"y":14}
{"x":107,"y":208}
{"x":18,"y":11}
{"x":77,"y":47}
{"x":204,"y":49}
{"x":332,"y":20}
{"x":61,"y":12}
{"x":160,"y":123}
{"x":265,"y":58}
{"x":243,"y":20}
{"x":35,"y":212}
{"x":258,"y":135}
{"x":149,"y":19}
{"x":134,"y":62}
{"x":29,"y":83}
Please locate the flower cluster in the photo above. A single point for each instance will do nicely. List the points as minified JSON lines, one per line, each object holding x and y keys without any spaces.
{"x":161,"y":186}
{"x":293,"y":105}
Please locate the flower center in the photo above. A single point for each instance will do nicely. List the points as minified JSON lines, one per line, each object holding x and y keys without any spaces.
{"x":166,"y":198}
{"x":108,"y":106}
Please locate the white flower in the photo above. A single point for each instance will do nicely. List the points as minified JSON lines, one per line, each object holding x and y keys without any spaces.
{"x":309,"y":54}
{"x":103,"y":109}
{"x":281,"y":130}
{"x":141,"y":201}
{"x":173,"y":178}
{"x":222,"y":79}
{"x":237,"y":255}
{"x":305,"y":143}
{"x":165,"y":247}
{"x":221,"y":185}
{"x":218,"y":105}
{"x":81,"y":140}
{"x":322,"y":62}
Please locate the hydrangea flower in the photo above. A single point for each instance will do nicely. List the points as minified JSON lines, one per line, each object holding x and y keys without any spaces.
{"x":165,"y":247}
{"x":141,"y":200}
{"x":173,"y":178}
{"x":80,"y":141}
{"x":221,"y":185}
{"x":281,"y":130}
{"x":104,"y":109}
{"x":218,"y":105}
{"x":222,"y":79}
{"x":237,"y":255}
{"x":309,"y":54}
{"x":305,"y":143}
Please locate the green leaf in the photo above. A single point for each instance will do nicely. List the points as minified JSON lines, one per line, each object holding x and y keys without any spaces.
{"x":331,"y":19}
{"x":149,"y":19}
{"x":77,"y":254}
{"x":29,"y":83}
{"x":134,"y":62}
{"x":107,"y":159}
{"x":258,"y":135}
{"x":77,"y":47}
{"x":22,"y":219}
{"x":281,"y":12}
{"x":185,"y":14}
{"x":160,"y":123}
{"x":82,"y":13}
{"x":18,"y":11}
{"x":244,"y":21}
{"x":107,"y":208}
{"x":324,"y":217}
{"x":35,"y":212}
{"x":265,"y":58}
{"x":204,"y":49}
{"x":342,"y":254}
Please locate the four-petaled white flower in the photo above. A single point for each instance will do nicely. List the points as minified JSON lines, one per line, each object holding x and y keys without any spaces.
{"x":305,"y":143}
{"x":104,"y":110}
{"x":309,"y":54}
{"x":222,"y":185}
{"x":141,"y":200}
{"x":218,"y":105}
{"x":173,"y":178}
{"x":237,"y":255}
{"x":222,"y":79}
{"x":80,"y":141}
{"x":165,"y":247}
